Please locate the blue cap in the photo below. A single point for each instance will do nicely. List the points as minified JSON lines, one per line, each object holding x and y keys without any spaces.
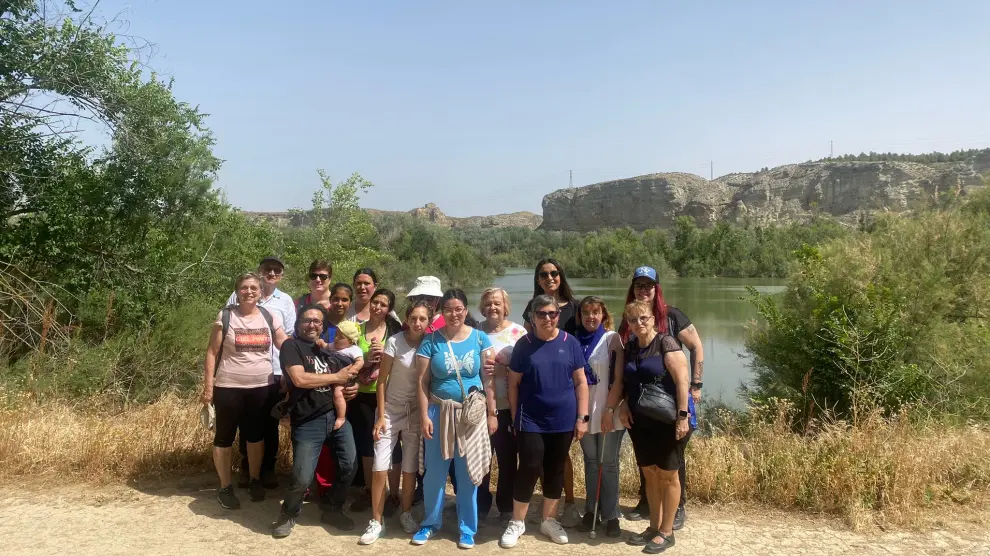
{"x":646,"y":272}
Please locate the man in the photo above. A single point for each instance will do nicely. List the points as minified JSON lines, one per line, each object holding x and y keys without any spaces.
{"x":427,"y":288}
{"x":311,"y":375}
{"x":276,"y":302}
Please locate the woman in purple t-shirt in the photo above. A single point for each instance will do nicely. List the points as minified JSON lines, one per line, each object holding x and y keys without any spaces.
{"x":548,"y":398}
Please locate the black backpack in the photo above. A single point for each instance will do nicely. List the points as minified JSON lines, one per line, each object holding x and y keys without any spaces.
{"x":225,"y":322}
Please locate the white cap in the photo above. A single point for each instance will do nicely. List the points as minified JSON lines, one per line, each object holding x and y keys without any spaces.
{"x":426,"y":285}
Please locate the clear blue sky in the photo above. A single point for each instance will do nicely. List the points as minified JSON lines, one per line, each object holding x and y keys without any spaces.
{"x":483,"y":107}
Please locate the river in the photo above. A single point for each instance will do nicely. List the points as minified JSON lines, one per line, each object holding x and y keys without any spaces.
{"x":717,"y":306}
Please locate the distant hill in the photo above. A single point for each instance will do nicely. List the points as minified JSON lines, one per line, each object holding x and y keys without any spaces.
{"x":430,"y":212}
{"x":841,"y":187}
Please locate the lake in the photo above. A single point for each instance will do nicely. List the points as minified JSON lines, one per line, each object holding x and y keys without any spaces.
{"x":717,"y":307}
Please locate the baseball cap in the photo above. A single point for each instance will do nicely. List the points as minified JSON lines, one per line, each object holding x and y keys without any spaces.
{"x":646,"y":272}
{"x":349,"y":330}
{"x":272,"y":259}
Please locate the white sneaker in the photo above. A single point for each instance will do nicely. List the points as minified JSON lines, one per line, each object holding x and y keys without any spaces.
{"x":372,"y":533}
{"x":512,"y":533}
{"x":552,"y":529}
{"x":571,"y":517}
{"x":409,"y":524}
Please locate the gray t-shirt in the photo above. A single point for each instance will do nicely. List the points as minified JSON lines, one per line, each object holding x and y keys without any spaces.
{"x":402,"y":379}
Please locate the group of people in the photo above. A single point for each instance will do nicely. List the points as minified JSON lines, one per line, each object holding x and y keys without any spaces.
{"x":426,"y":392}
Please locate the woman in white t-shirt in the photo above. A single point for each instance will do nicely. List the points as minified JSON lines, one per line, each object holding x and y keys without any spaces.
{"x":398,"y":414}
{"x":504,"y":334}
{"x":601,"y":346}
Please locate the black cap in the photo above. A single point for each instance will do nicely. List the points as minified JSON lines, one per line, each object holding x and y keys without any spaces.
{"x":272,"y":259}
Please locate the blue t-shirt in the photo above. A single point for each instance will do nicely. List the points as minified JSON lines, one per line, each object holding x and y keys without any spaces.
{"x":547,"y":402}
{"x":444,"y":383}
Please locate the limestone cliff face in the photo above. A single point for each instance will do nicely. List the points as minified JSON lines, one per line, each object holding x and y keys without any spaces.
{"x":781,"y":194}
{"x":430,"y":212}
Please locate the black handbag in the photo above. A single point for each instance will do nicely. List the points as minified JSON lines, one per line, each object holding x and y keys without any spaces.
{"x":656,"y":403}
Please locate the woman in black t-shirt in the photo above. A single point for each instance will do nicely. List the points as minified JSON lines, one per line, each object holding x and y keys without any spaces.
{"x":655,"y":358}
{"x":550,"y":279}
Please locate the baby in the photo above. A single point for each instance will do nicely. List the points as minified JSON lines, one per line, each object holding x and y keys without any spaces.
{"x":345,"y":349}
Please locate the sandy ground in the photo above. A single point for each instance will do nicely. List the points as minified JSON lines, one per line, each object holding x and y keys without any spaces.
{"x":182,"y":516}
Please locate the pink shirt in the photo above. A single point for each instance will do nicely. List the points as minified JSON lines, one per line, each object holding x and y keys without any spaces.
{"x":247,"y":351}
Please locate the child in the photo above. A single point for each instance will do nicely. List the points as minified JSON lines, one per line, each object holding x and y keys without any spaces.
{"x":344,"y":348}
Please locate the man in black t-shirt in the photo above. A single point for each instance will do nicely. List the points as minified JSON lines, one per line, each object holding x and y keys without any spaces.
{"x":312,"y":375}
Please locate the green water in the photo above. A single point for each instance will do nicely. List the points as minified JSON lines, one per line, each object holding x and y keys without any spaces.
{"x":716,"y":306}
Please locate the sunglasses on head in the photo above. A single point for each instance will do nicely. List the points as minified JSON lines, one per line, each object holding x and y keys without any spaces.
{"x":318,"y":276}
{"x":551,"y":274}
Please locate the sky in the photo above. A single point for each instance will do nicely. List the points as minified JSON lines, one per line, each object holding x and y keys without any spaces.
{"x":484,"y":107}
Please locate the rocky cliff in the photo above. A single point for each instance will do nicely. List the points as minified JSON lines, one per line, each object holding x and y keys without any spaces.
{"x":785,"y":193}
{"x":430,"y":211}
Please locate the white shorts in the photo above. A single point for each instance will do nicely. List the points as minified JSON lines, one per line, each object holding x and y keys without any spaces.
{"x":402,"y":420}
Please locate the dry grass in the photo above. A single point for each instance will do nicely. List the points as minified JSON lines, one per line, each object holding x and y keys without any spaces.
{"x":889,"y":470}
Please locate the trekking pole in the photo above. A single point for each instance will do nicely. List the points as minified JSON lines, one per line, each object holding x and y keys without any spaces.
{"x":598,"y":490}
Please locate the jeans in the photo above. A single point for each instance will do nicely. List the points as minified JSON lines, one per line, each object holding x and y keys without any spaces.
{"x":271,"y":433}
{"x":608,"y":503}
{"x":681,"y":473}
{"x":435,"y":479}
{"x":307,"y":441}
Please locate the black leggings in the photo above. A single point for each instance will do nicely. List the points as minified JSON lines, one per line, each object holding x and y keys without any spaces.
{"x":541,"y":453}
{"x":242,"y":408}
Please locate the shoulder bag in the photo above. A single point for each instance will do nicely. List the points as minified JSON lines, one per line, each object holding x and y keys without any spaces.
{"x":474,"y":407}
{"x":654,"y":402}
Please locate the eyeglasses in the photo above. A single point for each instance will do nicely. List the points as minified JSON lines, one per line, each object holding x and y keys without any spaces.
{"x":548,"y":315}
{"x":320,"y":277}
{"x":277,"y":271}
{"x":644,"y":285}
{"x":311,"y":321}
{"x":551,"y":274}
{"x":639,"y":320}
{"x":454,"y":310}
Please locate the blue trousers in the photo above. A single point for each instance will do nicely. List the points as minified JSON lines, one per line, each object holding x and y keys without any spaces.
{"x":307,"y":441}
{"x":435,"y":480}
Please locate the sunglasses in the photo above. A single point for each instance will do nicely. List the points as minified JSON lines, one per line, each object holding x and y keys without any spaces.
{"x":548,"y":315}
{"x":272,"y":270}
{"x":644,"y":285}
{"x":320,"y":277}
{"x":551,"y":274}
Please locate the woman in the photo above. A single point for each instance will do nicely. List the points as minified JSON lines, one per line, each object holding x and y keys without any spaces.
{"x":365,"y":284}
{"x":361,"y":412}
{"x":602,"y":350}
{"x":450,"y":364}
{"x":398,"y":413}
{"x":655,"y":358}
{"x":645,"y":287}
{"x":237,"y":374}
{"x":320,"y":273}
{"x":550,"y":279}
{"x":547,"y":389}
{"x":504,"y":334}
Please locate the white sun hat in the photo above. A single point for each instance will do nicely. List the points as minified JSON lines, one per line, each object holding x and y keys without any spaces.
{"x":208,"y":416}
{"x":426,"y":285}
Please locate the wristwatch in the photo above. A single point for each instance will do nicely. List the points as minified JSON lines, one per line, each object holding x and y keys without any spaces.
{"x":681,"y":414}
{"x":584,"y":418}
{"x":610,"y":409}
{"x":696,"y":385}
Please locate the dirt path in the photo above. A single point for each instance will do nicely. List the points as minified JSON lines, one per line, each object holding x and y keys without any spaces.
{"x":182,"y":517}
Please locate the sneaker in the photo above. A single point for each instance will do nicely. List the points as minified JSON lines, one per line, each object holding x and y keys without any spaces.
{"x":552,"y":529}
{"x":587,"y":523}
{"x":504,"y":518}
{"x":666,"y":541}
{"x":338,"y":519}
{"x":612,"y":529}
{"x":512,"y":533}
{"x":392,"y":503}
{"x":466,"y":542}
{"x":283,"y":526}
{"x":571,"y":516}
{"x":408,"y":522}
{"x":257,"y":490}
{"x":372,"y":533}
{"x":243,"y":478}
{"x":363,"y":502}
{"x":642,"y":539}
{"x":641,"y":511}
{"x":424,"y":534}
{"x":679,"y":518}
{"x":228,"y":500}
{"x":269,"y":480}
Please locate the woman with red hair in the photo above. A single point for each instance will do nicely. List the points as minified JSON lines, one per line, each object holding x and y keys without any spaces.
{"x":669,"y":320}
